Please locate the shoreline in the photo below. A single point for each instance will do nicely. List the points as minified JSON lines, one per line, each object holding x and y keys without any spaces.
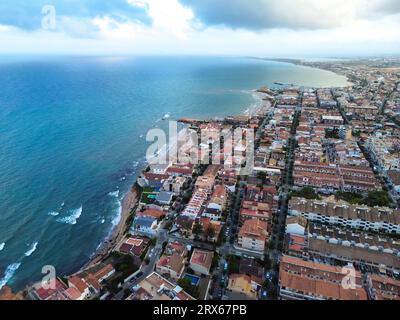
{"x":118,"y":232}
{"x":130,"y":200}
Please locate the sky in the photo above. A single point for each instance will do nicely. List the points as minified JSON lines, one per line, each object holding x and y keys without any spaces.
{"x":273,"y":28}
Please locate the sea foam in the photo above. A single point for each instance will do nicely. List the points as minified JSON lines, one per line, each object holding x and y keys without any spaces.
{"x":2,"y":245}
{"x":118,"y":213}
{"x":73,"y":218}
{"x":32,"y":249}
{"x":9,"y":273}
{"x":114,"y":194}
{"x":57,"y":213}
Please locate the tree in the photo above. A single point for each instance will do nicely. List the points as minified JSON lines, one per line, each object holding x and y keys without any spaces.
{"x":210,"y":232}
{"x":187,"y":286}
{"x":307,"y":192}
{"x":262,"y":176}
{"x":233,"y":262}
{"x":197,"y":229}
{"x":351,"y":197}
{"x":377,"y":198}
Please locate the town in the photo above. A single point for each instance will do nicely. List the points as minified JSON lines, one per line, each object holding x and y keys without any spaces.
{"x":322,"y":197}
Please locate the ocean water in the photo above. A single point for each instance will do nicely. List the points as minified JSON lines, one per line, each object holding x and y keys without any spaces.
{"x":72,"y":141}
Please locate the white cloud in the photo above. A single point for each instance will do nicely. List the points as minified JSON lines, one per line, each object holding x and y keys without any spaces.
{"x":349,"y":30}
{"x":168,"y":16}
{"x":114,"y":30}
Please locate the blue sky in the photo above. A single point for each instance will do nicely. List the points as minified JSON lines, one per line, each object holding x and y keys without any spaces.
{"x":290,"y":28}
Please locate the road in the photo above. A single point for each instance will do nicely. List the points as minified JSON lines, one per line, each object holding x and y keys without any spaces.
{"x":220,"y":274}
{"x":154,"y":255}
{"x":279,"y":225}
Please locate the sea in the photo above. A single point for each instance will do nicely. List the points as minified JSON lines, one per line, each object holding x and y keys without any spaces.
{"x":73,"y":140}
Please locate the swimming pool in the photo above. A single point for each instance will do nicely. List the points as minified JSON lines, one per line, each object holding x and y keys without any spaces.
{"x":194,"y":279}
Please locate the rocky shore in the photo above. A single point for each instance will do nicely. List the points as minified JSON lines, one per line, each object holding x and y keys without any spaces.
{"x":128,"y":204}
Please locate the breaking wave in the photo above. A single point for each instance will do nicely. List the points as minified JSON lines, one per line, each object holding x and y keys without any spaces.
{"x":73,"y":218}
{"x":9,"y":273}
{"x":32,"y":249}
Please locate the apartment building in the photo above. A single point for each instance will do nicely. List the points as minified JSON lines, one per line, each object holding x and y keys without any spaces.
{"x":304,"y":280}
{"x":341,"y":213}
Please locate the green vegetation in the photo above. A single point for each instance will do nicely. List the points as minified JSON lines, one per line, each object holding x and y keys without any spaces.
{"x":262,"y":176}
{"x":233,"y":263}
{"x":125,"y":265}
{"x":210,"y":232}
{"x":378,"y":198}
{"x":221,"y":238}
{"x":187,"y":196}
{"x":153,"y":242}
{"x":307,"y":192}
{"x":350,"y":197}
{"x":186,"y":285}
{"x":112,"y":285}
{"x":215,"y":261}
{"x":357,"y":133}
{"x":197,"y":229}
{"x":374,"y":198}
{"x":332,"y":133}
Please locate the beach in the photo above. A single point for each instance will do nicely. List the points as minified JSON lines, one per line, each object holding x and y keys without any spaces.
{"x":129,"y":202}
{"x":77,"y":166}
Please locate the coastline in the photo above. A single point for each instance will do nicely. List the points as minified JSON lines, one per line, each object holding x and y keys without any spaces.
{"x":131,"y":199}
{"x":129,"y":202}
{"x":303,"y":63}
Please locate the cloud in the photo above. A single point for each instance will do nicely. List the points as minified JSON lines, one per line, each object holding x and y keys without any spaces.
{"x":389,"y":6}
{"x":27,"y":15}
{"x":238,"y":27}
{"x":287,"y":14}
{"x":167,"y":16}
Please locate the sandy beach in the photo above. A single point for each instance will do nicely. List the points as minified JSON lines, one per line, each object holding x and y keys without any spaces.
{"x":128,"y":204}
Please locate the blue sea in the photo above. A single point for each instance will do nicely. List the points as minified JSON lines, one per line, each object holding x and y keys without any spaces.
{"x":72,"y":141}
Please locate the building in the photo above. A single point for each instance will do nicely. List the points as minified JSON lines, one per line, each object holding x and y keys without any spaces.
{"x":174,"y":184}
{"x":171,"y":266}
{"x":218,"y":198}
{"x":196,"y":204}
{"x":343,"y":214}
{"x":296,"y":225}
{"x":81,"y":291}
{"x":201,"y":261}
{"x":156,"y":287}
{"x":104,"y":273}
{"x":394,"y":179}
{"x":304,"y":280}
{"x":383,"y":288}
{"x":151,"y":213}
{"x":179,"y":170}
{"x":253,"y":269}
{"x":207,"y":224}
{"x":145,"y":225}
{"x":165,"y":198}
{"x":241,"y":287}
{"x":253,"y":235}
{"x":38,"y":292}
{"x":332,"y":244}
{"x":205,"y":183}
{"x":134,"y":246}
{"x":359,"y":179}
